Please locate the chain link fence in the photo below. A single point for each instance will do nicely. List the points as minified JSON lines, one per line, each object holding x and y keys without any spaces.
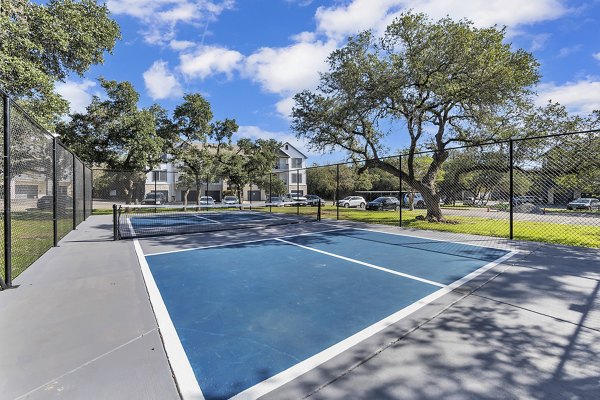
{"x":544,"y":189}
{"x":43,"y":195}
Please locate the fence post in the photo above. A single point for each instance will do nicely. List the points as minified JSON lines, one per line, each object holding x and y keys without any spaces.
{"x":7,"y":196}
{"x":400,"y":188}
{"x":74,"y":191}
{"x":270,"y":191}
{"x":298,"y":192}
{"x":511,"y":190}
{"x":337,"y":192}
{"x":84,"y":206}
{"x":54,"y":193}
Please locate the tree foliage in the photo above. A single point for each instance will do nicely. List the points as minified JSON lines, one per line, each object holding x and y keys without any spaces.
{"x":444,"y":82}
{"x":43,"y":43}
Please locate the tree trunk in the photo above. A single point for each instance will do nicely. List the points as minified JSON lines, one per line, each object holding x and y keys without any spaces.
{"x":432,"y":202}
{"x":185,"y":198}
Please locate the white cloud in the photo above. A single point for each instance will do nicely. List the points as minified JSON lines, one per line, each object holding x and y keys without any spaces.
{"x":255,"y":132}
{"x":160,"y":82}
{"x":350,"y":18}
{"x":180,"y":44}
{"x":76,"y":93}
{"x":162,"y":16}
{"x":581,"y":97}
{"x":209,"y":60}
{"x":596,"y":56}
{"x":566,"y":51}
{"x":284,"y":106}
{"x":290,"y":69}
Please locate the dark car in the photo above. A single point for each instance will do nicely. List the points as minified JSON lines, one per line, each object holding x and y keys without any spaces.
{"x":46,"y":203}
{"x":384,"y":203}
{"x":313,"y":200}
{"x":154,"y":198}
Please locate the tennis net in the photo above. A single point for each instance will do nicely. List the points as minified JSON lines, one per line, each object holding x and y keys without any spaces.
{"x":135,"y":221}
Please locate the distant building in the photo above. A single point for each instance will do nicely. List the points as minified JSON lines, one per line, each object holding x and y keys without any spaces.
{"x":288,"y":168}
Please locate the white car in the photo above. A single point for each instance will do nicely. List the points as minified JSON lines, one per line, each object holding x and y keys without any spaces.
{"x":295,"y":198}
{"x":230,"y":200}
{"x":352,"y":201}
{"x":207,"y":200}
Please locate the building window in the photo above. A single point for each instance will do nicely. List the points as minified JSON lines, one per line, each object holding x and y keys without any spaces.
{"x":296,"y":163}
{"x":158,"y":176}
{"x":296,"y":178}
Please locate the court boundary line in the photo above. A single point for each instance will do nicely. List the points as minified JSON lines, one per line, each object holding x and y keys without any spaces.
{"x":366,"y":264}
{"x":238,"y":243}
{"x":183,"y":374}
{"x":295,"y":371}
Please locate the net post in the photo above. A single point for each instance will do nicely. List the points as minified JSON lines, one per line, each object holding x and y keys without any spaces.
{"x":115,"y":222}
{"x":7,"y":196}
{"x":54,"y":194}
{"x":319,"y":209}
{"x":511,"y":189}
{"x":400,"y":189}
{"x":337,"y":192}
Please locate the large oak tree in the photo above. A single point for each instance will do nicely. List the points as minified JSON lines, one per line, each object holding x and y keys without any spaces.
{"x":437,"y":82}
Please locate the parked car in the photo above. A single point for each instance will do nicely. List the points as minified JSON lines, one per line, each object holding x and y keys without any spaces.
{"x":418,"y":200}
{"x":296,"y":199}
{"x":275,"y":201}
{"x":352,"y":201}
{"x":584,"y":204}
{"x":384,"y":203}
{"x":207,"y":200}
{"x":314,"y":200}
{"x":525,"y":199}
{"x":46,"y":203}
{"x":231,"y":200}
{"x":154,"y":198}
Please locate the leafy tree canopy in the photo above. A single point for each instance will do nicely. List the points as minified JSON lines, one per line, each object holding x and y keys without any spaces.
{"x":442,"y":82}
{"x":116,"y":133}
{"x":43,"y":43}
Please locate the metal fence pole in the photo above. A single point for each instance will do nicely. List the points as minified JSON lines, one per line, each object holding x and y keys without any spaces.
{"x":270,"y":191}
{"x":337,"y":192}
{"x":400,"y":189}
{"x":84,"y":205}
{"x":54,"y":192}
{"x":298,"y":192}
{"x":7,"y":196}
{"x":511,"y":190}
{"x":74,"y":191}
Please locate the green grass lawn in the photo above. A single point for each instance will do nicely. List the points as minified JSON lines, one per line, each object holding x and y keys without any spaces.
{"x":32,"y":236}
{"x":569,"y":234}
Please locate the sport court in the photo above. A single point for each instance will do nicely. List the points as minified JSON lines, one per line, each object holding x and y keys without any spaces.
{"x":241,"y":319}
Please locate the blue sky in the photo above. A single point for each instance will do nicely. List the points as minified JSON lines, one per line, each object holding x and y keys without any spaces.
{"x":249,"y":57}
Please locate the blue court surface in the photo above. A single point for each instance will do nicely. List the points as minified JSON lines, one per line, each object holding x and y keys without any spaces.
{"x":252,"y":316}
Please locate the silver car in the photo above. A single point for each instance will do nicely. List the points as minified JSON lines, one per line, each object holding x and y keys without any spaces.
{"x":352,"y":201}
{"x":584,"y":204}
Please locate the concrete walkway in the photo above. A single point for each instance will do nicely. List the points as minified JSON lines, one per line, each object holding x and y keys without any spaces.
{"x":80,"y":326}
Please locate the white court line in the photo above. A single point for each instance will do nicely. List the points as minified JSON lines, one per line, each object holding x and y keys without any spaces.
{"x":416,"y":278}
{"x":180,"y":364}
{"x":208,"y":219}
{"x":243,"y":242}
{"x":270,"y":384}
